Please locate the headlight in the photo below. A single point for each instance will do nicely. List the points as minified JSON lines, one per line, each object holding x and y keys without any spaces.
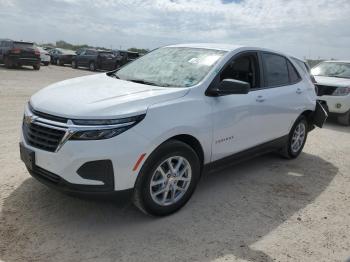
{"x":341,"y":91}
{"x":96,"y":129}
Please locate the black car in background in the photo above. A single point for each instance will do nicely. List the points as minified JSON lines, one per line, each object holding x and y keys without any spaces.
{"x":60,"y":56}
{"x":95,"y":59}
{"x":125,"y":57}
{"x":19,"y":53}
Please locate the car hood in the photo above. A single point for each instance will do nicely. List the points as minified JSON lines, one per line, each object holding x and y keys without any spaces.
{"x":332,"y":81}
{"x":100,"y":96}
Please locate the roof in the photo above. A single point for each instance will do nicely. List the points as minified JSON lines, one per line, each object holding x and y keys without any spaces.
{"x":227,"y":47}
{"x":224,"y":47}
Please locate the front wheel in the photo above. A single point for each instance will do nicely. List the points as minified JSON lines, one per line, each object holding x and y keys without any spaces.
{"x":74,"y":64}
{"x":167,"y":179}
{"x":36,"y":67}
{"x":296,"y":139}
{"x":92,"y":66}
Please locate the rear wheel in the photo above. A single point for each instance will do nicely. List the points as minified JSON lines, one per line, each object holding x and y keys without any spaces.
{"x":46,"y":63}
{"x":36,"y":67}
{"x":167,"y":179}
{"x":296,"y":140}
{"x":58,"y":62}
{"x":92,"y":66}
{"x":344,"y":119}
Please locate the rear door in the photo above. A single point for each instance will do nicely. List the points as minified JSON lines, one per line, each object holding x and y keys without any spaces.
{"x":106,"y":60}
{"x":280,"y":100}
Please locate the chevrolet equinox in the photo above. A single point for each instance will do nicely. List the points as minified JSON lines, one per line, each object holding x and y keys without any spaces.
{"x":153,"y":126}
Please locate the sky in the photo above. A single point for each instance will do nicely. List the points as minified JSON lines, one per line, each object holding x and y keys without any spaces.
{"x":303,"y":28}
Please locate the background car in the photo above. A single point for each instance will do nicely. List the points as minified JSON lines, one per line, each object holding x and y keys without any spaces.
{"x":45,"y":57}
{"x":60,"y":56}
{"x":124,"y":57}
{"x":333,"y":88}
{"x":95,"y":59}
{"x":18,"y":53}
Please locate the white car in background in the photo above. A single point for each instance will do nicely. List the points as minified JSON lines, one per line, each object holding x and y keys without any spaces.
{"x":333,"y":85}
{"x":152,"y":126}
{"x":44,"y":56}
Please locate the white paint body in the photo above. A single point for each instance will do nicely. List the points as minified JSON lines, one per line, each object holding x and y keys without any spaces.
{"x":333,"y":101}
{"x":44,"y":55}
{"x":169,"y":112}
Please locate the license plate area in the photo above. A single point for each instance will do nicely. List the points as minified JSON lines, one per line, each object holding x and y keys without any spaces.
{"x":27,"y":156}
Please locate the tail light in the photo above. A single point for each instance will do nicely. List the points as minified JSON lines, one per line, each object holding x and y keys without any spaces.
{"x":15,"y":51}
{"x":37,"y":52}
{"x":313,"y":80}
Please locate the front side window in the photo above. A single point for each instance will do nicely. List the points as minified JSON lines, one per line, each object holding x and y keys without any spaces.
{"x":332,"y":69}
{"x":275,"y":70}
{"x":172,"y":66}
{"x":243,"y":68}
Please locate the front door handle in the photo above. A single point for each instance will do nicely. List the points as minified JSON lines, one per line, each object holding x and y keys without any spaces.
{"x":299,"y":91}
{"x":260,"y":99}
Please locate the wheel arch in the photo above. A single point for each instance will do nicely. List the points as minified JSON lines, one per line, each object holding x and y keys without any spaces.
{"x":308,"y":114}
{"x":193,"y":143}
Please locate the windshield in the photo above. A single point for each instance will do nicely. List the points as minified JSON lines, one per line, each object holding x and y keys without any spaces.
{"x":171,"y":66}
{"x":332,"y":69}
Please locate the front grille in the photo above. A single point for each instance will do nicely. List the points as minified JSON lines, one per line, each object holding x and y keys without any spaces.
{"x":323,"y":90}
{"x":41,"y":137}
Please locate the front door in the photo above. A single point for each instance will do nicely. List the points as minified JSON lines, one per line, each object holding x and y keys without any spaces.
{"x":235,"y":125}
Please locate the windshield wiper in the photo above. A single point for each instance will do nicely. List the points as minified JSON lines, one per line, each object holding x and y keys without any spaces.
{"x":140,"y":81}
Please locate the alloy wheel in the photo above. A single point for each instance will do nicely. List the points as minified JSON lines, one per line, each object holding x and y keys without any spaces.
{"x":170,"y":181}
{"x":298,"y":137}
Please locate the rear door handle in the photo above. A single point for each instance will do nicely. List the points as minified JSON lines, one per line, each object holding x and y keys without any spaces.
{"x":299,"y":91}
{"x":260,"y":99}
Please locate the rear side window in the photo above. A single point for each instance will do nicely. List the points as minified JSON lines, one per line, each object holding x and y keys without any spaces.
{"x":275,"y":70}
{"x":293,"y":74}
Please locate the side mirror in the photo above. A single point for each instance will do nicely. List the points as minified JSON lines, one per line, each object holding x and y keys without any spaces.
{"x":230,"y":87}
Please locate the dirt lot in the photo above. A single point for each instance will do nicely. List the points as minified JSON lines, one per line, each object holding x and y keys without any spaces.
{"x":266,"y":209}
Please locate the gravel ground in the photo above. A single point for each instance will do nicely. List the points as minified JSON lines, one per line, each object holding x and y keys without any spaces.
{"x":265,"y":209}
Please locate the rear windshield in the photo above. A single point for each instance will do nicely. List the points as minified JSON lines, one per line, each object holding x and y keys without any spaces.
{"x":22,"y":44}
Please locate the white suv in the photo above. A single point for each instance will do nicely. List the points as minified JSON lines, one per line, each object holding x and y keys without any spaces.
{"x":333,"y":85}
{"x":152,"y":126}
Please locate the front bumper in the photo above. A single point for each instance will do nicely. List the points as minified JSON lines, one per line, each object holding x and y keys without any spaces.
{"x":67,"y":162}
{"x":336,"y":104}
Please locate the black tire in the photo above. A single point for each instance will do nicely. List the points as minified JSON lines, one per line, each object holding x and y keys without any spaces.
{"x":74,"y":64}
{"x":142,"y":197}
{"x":92,"y":66}
{"x":58,"y":62}
{"x":36,"y":67}
{"x":46,"y":63}
{"x":8,"y":63}
{"x":344,"y":119}
{"x":287,"y":151}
